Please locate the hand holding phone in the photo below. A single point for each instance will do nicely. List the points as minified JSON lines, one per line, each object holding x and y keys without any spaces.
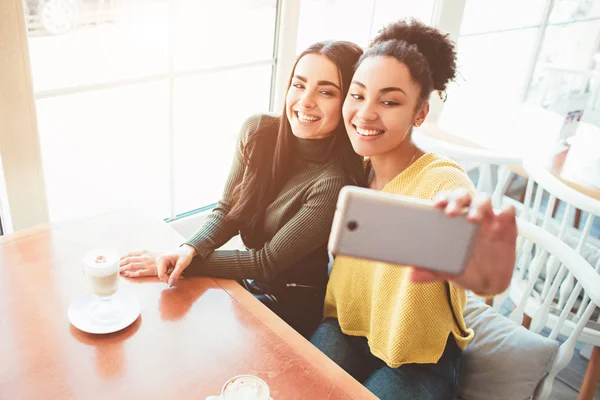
{"x":487,"y":261}
{"x":401,"y":230}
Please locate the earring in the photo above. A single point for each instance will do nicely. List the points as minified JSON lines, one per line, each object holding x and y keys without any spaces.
{"x":418,"y":123}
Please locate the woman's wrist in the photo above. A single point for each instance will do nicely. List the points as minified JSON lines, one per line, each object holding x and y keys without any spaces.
{"x":189,"y":249}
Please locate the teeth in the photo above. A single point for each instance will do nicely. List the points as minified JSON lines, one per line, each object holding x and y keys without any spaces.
{"x":368,"y":132}
{"x":307,"y":118}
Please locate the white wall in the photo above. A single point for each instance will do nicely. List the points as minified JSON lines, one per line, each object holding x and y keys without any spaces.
{"x":24,"y":195}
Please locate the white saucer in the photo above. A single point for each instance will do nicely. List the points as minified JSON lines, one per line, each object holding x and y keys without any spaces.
{"x":81,"y":317}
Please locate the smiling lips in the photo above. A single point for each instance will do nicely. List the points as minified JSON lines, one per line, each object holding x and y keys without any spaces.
{"x":367,"y":131}
{"x":362,"y":131}
{"x":307,"y":118}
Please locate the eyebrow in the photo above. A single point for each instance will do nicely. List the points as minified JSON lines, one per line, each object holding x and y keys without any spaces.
{"x":320,"y":83}
{"x":384,"y":90}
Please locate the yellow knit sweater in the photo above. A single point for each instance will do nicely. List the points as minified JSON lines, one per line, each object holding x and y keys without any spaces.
{"x":404,"y":322}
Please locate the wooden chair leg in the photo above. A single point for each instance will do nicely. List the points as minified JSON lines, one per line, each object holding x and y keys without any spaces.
{"x":512,"y":180}
{"x":526,"y":321}
{"x":577,"y":218}
{"x":556,"y":203}
{"x":592,"y":377}
{"x":522,"y":196}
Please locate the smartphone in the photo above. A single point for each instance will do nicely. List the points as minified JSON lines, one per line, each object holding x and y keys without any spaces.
{"x":402,"y":230}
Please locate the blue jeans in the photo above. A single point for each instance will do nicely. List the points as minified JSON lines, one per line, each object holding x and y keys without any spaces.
{"x":411,"y":381}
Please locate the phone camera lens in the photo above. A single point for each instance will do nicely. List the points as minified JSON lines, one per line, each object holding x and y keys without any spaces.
{"x":352,"y":225}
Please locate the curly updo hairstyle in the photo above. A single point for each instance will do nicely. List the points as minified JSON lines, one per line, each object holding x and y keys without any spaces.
{"x":429,"y":54}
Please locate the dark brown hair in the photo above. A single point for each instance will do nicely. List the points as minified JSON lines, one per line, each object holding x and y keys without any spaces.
{"x":269,"y":158}
{"x":429,"y":54}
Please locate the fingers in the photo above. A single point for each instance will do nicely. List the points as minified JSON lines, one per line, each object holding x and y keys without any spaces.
{"x":453,"y":202}
{"x":179,"y":267}
{"x":131,"y":259}
{"x":134,"y":254}
{"x":137,"y":273}
{"x":132,"y":266}
{"x":442,"y":199}
{"x":162,"y":264}
{"x":141,"y":271}
{"x":508,"y":212}
{"x":461,"y":199}
{"x":506,"y":222}
{"x":481,"y":208}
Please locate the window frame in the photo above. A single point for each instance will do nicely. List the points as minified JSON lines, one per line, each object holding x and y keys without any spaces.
{"x":24,"y":207}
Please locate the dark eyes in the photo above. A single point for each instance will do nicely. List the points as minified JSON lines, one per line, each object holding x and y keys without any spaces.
{"x":327,"y":93}
{"x":385,"y":103}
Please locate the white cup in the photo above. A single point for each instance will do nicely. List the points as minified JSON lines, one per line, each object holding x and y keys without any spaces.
{"x":101,"y":268}
{"x":244,"y":387}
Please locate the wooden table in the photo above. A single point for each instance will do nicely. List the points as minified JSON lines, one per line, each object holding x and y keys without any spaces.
{"x":187,"y":342}
{"x":555,"y":163}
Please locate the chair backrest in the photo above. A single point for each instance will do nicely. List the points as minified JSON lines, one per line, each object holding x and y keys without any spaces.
{"x":551,"y":187}
{"x":546,"y":182}
{"x":542,"y":308}
{"x":482,"y":158}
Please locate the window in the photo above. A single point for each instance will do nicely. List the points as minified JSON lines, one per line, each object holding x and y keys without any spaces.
{"x":354,"y":20}
{"x":209,"y":111}
{"x":334,"y":20}
{"x":513,"y":51}
{"x":106,"y":149}
{"x":484,"y":16}
{"x":494,"y":50}
{"x":565,"y":65}
{"x":492,"y":68}
{"x":139,"y":102}
{"x":387,"y":11}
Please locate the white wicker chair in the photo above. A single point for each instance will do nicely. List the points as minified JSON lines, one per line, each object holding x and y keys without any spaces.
{"x":571,"y":318}
{"x":548,"y":186}
{"x":483,"y":159}
{"x":558,"y":191}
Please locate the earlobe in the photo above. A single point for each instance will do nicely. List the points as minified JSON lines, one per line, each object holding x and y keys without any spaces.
{"x":422,"y":114}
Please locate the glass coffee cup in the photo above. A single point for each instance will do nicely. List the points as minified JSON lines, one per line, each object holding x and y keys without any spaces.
{"x":244,"y":387}
{"x":101,"y":268}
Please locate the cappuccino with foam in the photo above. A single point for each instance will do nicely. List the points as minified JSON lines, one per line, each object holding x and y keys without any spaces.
{"x":245,"y":387}
{"x":101,"y":267}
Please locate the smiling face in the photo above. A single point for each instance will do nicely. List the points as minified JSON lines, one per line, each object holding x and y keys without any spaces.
{"x":382,"y":105}
{"x":314,"y":99}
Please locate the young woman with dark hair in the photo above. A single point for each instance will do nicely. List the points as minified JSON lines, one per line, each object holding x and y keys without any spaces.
{"x":280,"y":196}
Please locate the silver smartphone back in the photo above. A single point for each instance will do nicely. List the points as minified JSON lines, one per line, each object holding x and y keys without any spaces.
{"x":402,"y":230}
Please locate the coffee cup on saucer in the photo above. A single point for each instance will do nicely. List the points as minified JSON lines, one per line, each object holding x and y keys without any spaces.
{"x":101,"y":268}
{"x":244,"y":387}
{"x":106,"y":308}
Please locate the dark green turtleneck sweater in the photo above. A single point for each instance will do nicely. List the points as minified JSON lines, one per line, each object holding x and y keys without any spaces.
{"x":296,"y":225}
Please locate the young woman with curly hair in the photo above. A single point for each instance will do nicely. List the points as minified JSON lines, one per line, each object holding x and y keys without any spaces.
{"x":398,"y":329}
